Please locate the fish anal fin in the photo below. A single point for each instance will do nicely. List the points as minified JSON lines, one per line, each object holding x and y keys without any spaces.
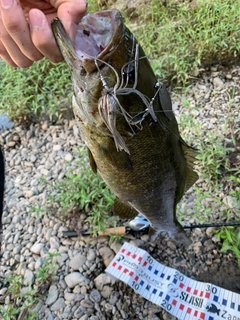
{"x":190,"y":156}
{"x":92,"y":162}
{"x":123,"y":209}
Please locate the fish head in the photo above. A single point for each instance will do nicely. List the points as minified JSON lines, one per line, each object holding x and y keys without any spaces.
{"x":97,"y":37}
{"x":102,"y":58}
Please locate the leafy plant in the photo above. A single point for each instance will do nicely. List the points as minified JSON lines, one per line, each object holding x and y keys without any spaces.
{"x":230,"y":239}
{"x":81,"y":190}
{"x":34,"y":93}
{"x":24,"y":299}
{"x":182,"y":36}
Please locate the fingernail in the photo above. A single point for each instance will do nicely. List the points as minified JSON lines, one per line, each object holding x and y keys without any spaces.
{"x":6,"y":4}
{"x":35,"y":20}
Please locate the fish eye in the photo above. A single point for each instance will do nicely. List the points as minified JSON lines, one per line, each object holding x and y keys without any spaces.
{"x":129,"y":73}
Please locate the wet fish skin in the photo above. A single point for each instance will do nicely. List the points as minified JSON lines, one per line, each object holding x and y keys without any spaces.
{"x":151,"y":174}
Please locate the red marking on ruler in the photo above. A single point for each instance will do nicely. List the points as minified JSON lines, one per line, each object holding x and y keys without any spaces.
{"x":207,"y":294}
{"x":181,"y":285}
{"x":131,"y":273}
{"x":114,"y":264}
{"x":123,"y":250}
{"x":195,"y":313}
{"x":120,"y":267}
{"x":145,"y":263}
{"x":136,"y":278}
{"x":181,"y":306}
{"x":140,"y":259}
{"x":202,"y":315}
{"x":201,"y":293}
{"x":129,"y":253}
{"x":188,"y":289}
{"x":174,"y":302}
{"x":195,"y":292}
{"x":189,"y":310}
{"x":134,"y":256}
{"x":125,"y":270}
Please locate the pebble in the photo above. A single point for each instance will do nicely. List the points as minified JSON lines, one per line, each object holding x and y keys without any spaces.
{"x":52,"y":295}
{"x":36,"y":248}
{"x":75,"y":278}
{"x":28,"y":277}
{"x":59,"y":304}
{"x":77,"y":261}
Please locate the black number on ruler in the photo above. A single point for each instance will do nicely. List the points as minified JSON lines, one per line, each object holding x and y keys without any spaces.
{"x":135,"y":285}
{"x":213,"y":289}
{"x":149,"y":259}
{"x":166,"y":305}
{"x":178,"y":276}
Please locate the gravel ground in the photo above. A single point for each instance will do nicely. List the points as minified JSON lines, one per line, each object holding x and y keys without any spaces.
{"x":81,"y":289}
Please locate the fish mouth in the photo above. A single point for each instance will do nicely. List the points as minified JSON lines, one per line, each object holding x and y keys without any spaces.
{"x":97,"y":36}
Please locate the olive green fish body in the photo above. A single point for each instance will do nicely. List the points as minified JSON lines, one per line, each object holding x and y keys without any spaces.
{"x":126,"y":121}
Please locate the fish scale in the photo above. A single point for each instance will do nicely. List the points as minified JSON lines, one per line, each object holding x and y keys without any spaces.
{"x":127,"y":122}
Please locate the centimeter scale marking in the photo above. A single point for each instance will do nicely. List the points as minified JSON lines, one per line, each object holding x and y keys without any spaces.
{"x":181,"y":296}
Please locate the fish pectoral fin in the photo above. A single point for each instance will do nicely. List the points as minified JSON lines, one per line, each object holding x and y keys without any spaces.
{"x":119,"y":159}
{"x":123,"y":209}
{"x":92,"y":162}
{"x":190,"y":156}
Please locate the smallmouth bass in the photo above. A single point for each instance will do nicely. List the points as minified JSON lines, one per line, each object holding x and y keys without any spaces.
{"x":126,"y":121}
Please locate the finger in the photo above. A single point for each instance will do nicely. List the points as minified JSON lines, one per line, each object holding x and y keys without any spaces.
{"x":5,"y":56}
{"x":42,"y":36}
{"x":15,"y":35}
{"x":10,"y":52}
{"x":70,"y":14}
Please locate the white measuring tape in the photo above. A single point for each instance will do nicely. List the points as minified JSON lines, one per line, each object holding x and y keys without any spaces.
{"x":181,"y":296}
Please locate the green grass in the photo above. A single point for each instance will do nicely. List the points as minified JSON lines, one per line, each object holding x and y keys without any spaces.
{"x":41,"y":91}
{"x":181,"y":38}
{"x":81,"y":191}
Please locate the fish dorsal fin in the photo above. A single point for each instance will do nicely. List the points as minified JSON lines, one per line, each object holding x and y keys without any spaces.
{"x":190,"y":156}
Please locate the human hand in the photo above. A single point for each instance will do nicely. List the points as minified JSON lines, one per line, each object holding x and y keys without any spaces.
{"x":25,"y":31}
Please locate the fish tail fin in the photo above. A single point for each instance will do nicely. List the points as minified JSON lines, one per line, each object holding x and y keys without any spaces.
{"x":176,"y":233}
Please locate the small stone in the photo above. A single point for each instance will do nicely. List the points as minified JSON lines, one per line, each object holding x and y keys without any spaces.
{"x":218,"y":83}
{"x":86,"y":304}
{"x":107,"y":255}
{"x":69,"y":296}
{"x":75,"y":278}
{"x":28,"y":277}
{"x":54,"y":242}
{"x":59,"y":304}
{"x":52,"y":295}
{"x":77,"y":261}
{"x":68,"y":157}
{"x":57,"y":147}
{"x":231,"y":202}
{"x":114,"y":297}
{"x":36,"y":248}
{"x":91,"y":255}
{"x":39,"y":263}
{"x":103,"y":279}
{"x":95,"y":296}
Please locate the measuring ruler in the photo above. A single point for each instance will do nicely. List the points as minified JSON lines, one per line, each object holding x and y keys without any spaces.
{"x":178,"y":294}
